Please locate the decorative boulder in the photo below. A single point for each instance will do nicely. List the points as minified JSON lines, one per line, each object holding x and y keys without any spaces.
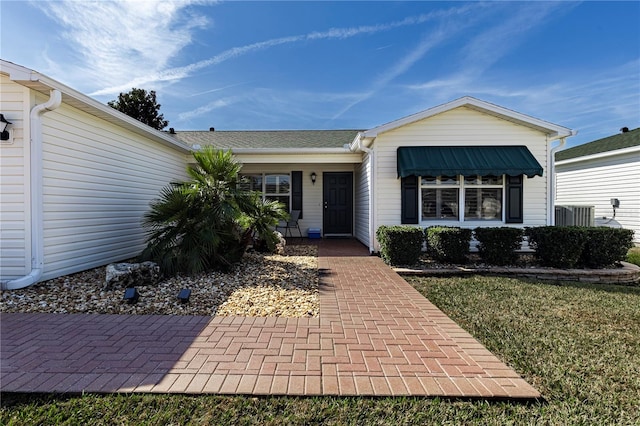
{"x":123,"y":275}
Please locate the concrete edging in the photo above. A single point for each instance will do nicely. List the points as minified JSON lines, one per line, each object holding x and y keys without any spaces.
{"x":628,"y":274}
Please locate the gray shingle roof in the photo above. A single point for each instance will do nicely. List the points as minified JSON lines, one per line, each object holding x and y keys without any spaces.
{"x":224,"y":139}
{"x":610,"y":143}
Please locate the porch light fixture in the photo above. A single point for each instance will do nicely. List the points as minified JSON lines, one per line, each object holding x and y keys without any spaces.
{"x":131,"y":295}
{"x":184,"y":295}
{"x":615,"y":203}
{"x":313,"y":177}
{"x":3,"y":128}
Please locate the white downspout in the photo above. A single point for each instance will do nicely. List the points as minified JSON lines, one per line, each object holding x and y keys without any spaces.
{"x":551,"y":216}
{"x":37,"y":222}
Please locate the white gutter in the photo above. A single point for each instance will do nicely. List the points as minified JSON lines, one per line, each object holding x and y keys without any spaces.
{"x":551,"y":214}
{"x":290,"y":151}
{"x":37,"y":221}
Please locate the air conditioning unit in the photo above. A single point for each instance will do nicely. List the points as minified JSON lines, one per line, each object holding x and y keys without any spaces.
{"x":575,"y":215}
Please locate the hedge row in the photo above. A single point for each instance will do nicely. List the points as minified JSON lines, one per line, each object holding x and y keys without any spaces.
{"x":576,"y":246}
{"x":560,"y":247}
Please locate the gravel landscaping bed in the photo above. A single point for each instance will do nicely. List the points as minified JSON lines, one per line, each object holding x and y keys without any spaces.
{"x":261,"y":286}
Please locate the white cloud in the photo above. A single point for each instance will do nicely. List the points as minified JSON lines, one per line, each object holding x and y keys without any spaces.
{"x":125,"y":40}
{"x":482,"y":51}
{"x":450,"y":24}
{"x":398,"y":68}
{"x":276,"y":107}
{"x":217,"y":89}
{"x":177,"y":73}
{"x":135,"y":43}
{"x":491,"y":45}
{"x":205,"y":109}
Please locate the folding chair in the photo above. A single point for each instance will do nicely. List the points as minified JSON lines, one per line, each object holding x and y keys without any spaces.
{"x":292,"y":223}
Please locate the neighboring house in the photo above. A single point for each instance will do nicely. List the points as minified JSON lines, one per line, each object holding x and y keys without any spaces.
{"x":465,"y":163}
{"x":74,"y":197}
{"x":76,"y":178}
{"x":595,"y":173}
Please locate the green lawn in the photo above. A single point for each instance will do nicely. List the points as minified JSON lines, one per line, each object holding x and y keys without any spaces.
{"x":579,"y":344}
{"x":634,"y":256}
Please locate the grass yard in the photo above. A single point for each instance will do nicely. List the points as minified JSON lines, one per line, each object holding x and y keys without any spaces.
{"x":634,"y":256}
{"x":579,"y":344}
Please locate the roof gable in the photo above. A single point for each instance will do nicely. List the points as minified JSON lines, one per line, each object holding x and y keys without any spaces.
{"x":611,"y":143}
{"x":550,"y":129}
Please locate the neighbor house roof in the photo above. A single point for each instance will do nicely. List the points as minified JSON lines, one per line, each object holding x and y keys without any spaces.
{"x":611,"y":143}
{"x":268,"y":139}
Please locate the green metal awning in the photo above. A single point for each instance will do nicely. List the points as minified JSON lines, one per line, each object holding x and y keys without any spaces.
{"x":467,"y":161}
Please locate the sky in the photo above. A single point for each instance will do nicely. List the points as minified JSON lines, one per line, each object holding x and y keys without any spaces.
{"x":339,"y":65}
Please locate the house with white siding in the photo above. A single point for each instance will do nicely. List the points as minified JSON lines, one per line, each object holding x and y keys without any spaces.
{"x":466,"y":163}
{"x":76,"y":178}
{"x":595,"y":173}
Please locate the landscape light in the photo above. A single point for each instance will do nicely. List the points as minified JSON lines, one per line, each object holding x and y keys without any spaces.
{"x":184,"y":295}
{"x":131,"y":295}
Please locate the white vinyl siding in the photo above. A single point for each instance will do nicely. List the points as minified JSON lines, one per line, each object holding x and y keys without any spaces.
{"x":15,"y":214}
{"x":362,"y":196}
{"x":312,"y":208}
{"x":595,"y":182}
{"x":98,"y":182}
{"x":458,"y":127}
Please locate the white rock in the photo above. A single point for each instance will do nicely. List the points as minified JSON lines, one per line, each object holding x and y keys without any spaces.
{"x":124,"y":275}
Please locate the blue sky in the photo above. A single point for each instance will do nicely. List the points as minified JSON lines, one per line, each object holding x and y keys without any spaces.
{"x":340,"y":65}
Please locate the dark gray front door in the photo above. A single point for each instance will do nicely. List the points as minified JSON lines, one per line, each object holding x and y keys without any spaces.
{"x":338,"y":203}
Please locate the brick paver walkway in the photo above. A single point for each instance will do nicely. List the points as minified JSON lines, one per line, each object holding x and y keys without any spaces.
{"x":376,"y":335}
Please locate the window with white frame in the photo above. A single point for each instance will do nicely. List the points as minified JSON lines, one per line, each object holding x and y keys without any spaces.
{"x":480,"y":196}
{"x":483,"y":197}
{"x":440,"y":197}
{"x":272,"y":186}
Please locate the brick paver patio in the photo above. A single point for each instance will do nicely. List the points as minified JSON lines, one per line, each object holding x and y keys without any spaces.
{"x":376,"y":335}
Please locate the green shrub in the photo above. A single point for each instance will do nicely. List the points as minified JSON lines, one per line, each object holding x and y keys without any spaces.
{"x":448,"y":244}
{"x":260,"y":217}
{"x":606,"y":246}
{"x":498,"y":246}
{"x":206,"y":222}
{"x":634,"y":256}
{"x":557,"y":246}
{"x":400,"y":245}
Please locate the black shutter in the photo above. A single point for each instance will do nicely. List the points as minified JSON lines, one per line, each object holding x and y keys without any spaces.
{"x":514,"y":212}
{"x":296,"y":191}
{"x":409,"y":189}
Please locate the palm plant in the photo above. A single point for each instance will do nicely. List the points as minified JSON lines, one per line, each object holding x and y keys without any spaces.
{"x":196,"y":225}
{"x":260,"y":218}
